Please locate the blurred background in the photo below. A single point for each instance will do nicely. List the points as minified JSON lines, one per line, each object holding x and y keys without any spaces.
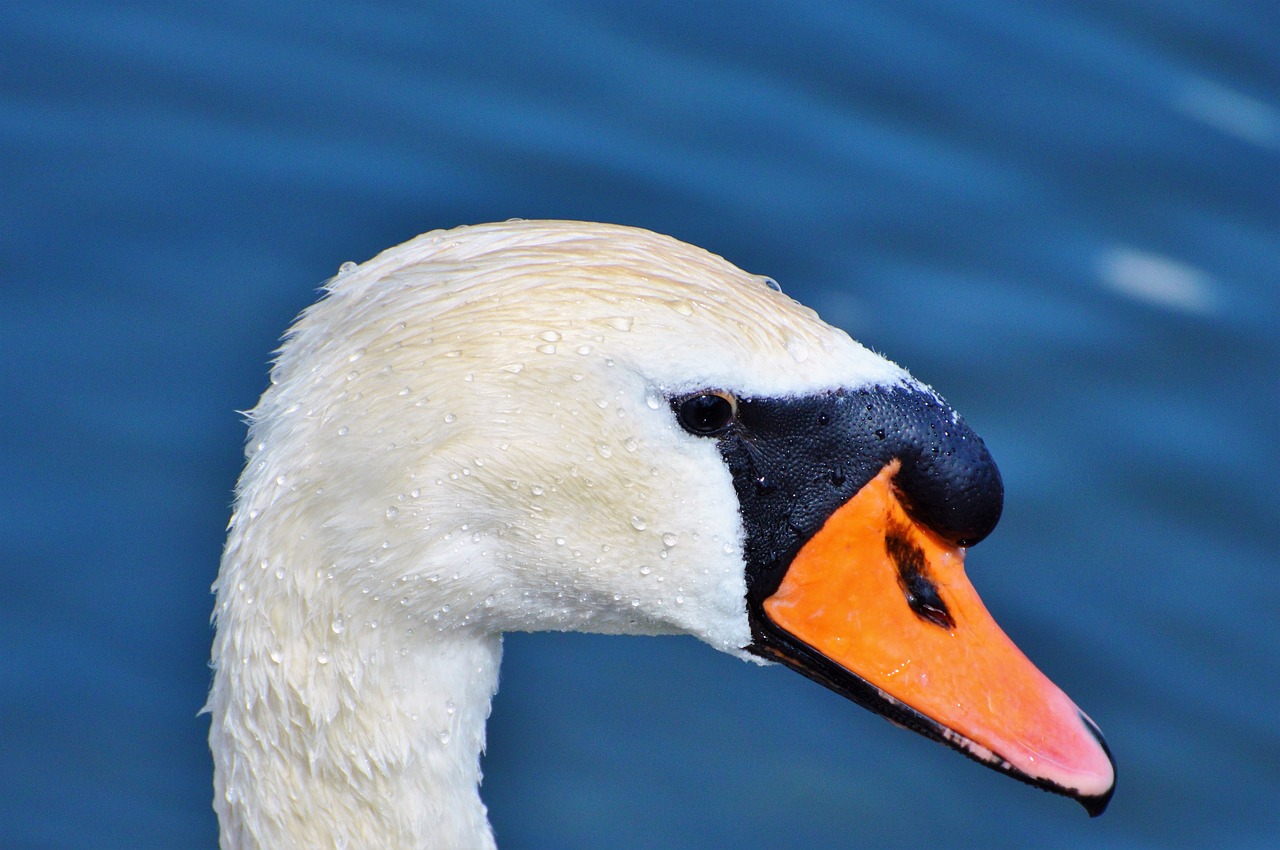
{"x":1063,"y":215}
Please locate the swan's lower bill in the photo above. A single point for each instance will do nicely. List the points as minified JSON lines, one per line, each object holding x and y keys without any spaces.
{"x":887,"y":600}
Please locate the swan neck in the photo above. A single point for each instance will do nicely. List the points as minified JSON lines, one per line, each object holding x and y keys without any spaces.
{"x":367,"y":738}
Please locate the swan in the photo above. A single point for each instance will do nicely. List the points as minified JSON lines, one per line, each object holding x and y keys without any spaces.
{"x":547,"y":425}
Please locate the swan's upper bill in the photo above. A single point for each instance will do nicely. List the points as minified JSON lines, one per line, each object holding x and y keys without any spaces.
{"x":559,"y":425}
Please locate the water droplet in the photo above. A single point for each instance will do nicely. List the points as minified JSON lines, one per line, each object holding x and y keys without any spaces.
{"x":684,"y":308}
{"x":393,"y":512}
{"x":549,"y":336}
{"x":771,"y":283}
{"x":415,"y":492}
{"x":631,"y":444}
{"x":404,"y":391}
{"x":279,"y":572}
{"x":584,"y":349}
{"x":339,"y":625}
{"x":604,"y":450}
{"x":536,"y":490}
{"x":669,"y":540}
{"x":639,"y":523}
{"x":513,"y":368}
{"x":347,"y":268}
{"x":620,"y":323}
{"x":644,"y":571}
{"x":344,"y":431}
{"x":450,"y":418}
{"x":652,"y":398}
{"x":547,"y":349}
{"x":322,"y":658}
{"x":454,"y":353}
{"x":443,"y":735}
{"x":798,"y":350}
{"x":275,"y":656}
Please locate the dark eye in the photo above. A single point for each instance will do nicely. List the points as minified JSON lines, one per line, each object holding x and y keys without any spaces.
{"x":708,"y":413}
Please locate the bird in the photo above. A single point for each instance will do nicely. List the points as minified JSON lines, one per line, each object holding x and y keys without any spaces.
{"x":571,"y":426}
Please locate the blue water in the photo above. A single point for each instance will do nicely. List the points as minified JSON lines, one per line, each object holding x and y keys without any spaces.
{"x":1064,"y":215}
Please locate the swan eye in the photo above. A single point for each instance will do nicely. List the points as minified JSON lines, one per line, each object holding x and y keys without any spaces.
{"x":707,"y":414}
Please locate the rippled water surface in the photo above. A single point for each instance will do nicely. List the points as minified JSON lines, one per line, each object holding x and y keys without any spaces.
{"x":1065,"y":216}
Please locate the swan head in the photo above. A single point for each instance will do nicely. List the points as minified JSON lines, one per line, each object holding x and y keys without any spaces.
{"x":568,"y":426}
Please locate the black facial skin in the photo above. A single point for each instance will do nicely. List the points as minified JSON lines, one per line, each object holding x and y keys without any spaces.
{"x":794,"y":461}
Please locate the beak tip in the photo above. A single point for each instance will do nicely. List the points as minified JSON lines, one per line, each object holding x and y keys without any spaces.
{"x":1096,"y":804}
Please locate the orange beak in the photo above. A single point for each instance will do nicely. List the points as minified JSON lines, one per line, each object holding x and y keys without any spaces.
{"x":885,"y":599}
